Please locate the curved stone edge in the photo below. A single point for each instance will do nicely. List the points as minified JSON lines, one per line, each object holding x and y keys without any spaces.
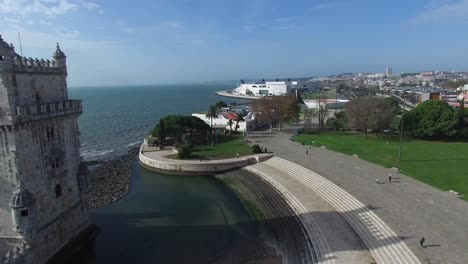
{"x":230,"y":95}
{"x":193,"y":167}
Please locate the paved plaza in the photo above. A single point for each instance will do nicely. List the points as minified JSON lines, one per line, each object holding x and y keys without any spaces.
{"x":409,"y":208}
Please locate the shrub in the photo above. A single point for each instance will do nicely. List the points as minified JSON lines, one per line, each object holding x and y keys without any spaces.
{"x":184,"y":151}
{"x":256,"y":149}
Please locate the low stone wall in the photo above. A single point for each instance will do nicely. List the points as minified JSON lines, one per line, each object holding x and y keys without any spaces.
{"x":193,"y":167}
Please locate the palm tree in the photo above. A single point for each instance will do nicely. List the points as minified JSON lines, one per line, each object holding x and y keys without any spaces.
{"x":230,"y":123}
{"x":239,"y":118}
{"x":212,"y":112}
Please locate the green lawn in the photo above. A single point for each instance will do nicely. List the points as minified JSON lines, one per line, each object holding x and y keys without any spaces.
{"x":440,"y":164}
{"x":228,"y":147}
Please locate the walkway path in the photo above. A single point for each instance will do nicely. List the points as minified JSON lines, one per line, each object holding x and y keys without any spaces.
{"x":406,"y":207}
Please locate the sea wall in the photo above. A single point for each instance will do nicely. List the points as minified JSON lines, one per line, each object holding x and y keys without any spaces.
{"x":192,"y":167}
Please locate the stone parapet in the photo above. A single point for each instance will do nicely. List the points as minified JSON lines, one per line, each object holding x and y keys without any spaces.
{"x":47,"y":67}
{"x":31,"y":113}
{"x":158,"y":163}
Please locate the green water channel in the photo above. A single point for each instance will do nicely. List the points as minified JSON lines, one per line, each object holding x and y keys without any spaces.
{"x":170,"y":219}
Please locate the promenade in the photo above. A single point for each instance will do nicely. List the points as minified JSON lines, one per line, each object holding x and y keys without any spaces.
{"x":387,"y":214}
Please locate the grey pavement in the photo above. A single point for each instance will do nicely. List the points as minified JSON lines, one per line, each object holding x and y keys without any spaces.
{"x":410,"y":208}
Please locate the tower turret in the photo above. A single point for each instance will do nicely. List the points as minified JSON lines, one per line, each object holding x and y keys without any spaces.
{"x":7,"y":53}
{"x":60,"y":58}
{"x":23,"y":212}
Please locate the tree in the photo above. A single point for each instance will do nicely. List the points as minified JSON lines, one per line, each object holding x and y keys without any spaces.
{"x":461,"y":116}
{"x":293,"y":110}
{"x":220,"y":104}
{"x":309,"y":116}
{"x":337,"y":122}
{"x":239,"y":118}
{"x":212,"y":112}
{"x":161,"y":132}
{"x":382,"y":114}
{"x":274,"y":109}
{"x":176,"y":125}
{"x":322,"y":114}
{"x":230,"y":123}
{"x":369,"y":112}
{"x":264,"y":111}
{"x":432,"y":118}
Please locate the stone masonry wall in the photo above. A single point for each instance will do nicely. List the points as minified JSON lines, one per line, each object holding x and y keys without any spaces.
{"x":7,"y":179}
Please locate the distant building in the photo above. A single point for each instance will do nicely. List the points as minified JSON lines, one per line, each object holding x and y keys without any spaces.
{"x":43,"y":184}
{"x":264,"y":88}
{"x":427,"y":74}
{"x":222,"y":120}
{"x":389,"y":72}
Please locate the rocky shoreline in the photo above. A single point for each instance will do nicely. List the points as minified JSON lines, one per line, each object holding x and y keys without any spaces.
{"x":110,"y":180}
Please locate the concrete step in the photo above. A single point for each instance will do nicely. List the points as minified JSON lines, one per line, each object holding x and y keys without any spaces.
{"x":382,"y":242}
{"x":317,"y":238}
{"x":276,"y":225}
{"x":273,"y":213}
{"x":289,"y":214}
{"x":283,"y":219}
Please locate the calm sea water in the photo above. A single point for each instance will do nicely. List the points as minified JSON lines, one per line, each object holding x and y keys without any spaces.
{"x":116,"y":118}
{"x":164,"y":218}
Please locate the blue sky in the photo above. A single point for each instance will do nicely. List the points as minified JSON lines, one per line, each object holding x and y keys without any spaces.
{"x":111,"y":42}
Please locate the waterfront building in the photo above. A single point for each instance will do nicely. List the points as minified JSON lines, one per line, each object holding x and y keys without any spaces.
{"x":264,"y":88}
{"x":223,"y":117}
{"x":43,"y":184}
{"x":275,"y":88}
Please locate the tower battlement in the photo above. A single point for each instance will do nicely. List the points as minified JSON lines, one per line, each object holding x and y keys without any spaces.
{"x":11,"y":61}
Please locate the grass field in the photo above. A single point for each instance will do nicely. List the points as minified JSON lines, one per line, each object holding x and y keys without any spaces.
{"x":440,"y":164}
{"x":227,"y":147}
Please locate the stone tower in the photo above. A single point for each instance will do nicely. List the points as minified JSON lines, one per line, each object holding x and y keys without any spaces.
{"x":43,"y":187}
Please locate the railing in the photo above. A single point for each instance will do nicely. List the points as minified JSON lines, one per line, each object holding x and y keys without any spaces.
{"x":35,"y":112}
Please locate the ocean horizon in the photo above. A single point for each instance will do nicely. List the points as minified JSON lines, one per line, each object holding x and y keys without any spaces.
{"x":116,"y":118}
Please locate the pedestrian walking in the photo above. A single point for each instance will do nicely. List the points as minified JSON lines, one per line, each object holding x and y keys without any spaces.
{"x":389,"y":178}
{"x":266,"y":150}
{"x":421,"y":242}
{"x":307,"y":152}
{"x":377,"y":181}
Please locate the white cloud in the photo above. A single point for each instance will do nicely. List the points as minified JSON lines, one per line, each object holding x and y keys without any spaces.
{"x":90,"y":5}
{"x":248,"y":28}
{"x":323,"y":6}
{"x":439,"y":11}
{"x":69,"y":40}
{"x":26,"y":8}
{"x":285,"y":19}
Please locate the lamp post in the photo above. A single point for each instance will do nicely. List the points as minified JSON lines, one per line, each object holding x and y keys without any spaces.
{"x":319,"y":109}
{"x":401,"y":138}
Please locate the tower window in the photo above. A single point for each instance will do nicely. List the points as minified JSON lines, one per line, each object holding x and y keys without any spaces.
{"x":58,"y":191}
{"x":50,"y":132}
{"x":24,"y":212}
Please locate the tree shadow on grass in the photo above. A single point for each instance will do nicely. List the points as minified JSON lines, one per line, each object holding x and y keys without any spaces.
{"x":435,"y":159}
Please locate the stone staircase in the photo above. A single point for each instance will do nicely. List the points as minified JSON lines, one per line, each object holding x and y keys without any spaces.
{"x":296,"y":244}
{"x":383,"y":243}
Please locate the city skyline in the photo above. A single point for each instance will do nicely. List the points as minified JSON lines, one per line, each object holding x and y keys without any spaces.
{"x":148,"y":42}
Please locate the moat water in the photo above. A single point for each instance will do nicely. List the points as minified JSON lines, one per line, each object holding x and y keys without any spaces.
{"x":164,"y":218}
{"x":170,"y":219}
